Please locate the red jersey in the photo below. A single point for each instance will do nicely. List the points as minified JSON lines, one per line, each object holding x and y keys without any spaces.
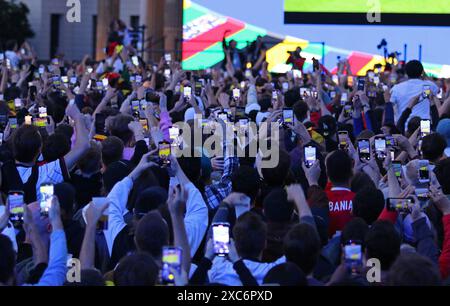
{"x":339,"y":208}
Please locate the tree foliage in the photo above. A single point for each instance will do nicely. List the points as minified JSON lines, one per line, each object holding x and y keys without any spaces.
{"x":14,"y":23}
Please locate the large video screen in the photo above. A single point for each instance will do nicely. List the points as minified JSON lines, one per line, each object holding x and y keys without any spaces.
{"x":391,"y":12}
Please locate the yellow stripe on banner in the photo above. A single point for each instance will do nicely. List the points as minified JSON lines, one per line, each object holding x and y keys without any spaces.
{"x":369,"y":66}
{"x":186,"y":4}
{"x":279,"y":53}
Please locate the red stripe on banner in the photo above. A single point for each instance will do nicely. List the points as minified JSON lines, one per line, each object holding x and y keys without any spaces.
{"x":358,"y":61}
{"x":205,"y":40}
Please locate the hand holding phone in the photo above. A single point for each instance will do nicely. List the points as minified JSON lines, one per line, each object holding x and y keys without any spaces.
{"x":171,"y":260}
{"x":164,"y":151}
{"x":310,"y":156}
{"x":16,"y":202}
{"x":221,"y":238}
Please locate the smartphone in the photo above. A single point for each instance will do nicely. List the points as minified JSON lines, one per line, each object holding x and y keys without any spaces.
{"x":139,"y":79}
{"x":426,"y":91}
{"x":422,"y":194}
{"x":425,"y":127}
{"x":73,"y":80}
{"x":135,"y":105}
{"x":90,"y":70}
{"x":236,"y":94}
{"x":56,"y":80}
{"x":99,"y":86}
{"x":46,"y":191}
{"x":332,"y":94}
{"x":12,"y":123}
{"x":135,"y":60}
{"x":43,"y":112}
{"x":350,"y":81}
{"x":187,"y":92}
{"x":288,"y":115}
{"x":174,"y":133}
{"x":103,"y":221}
{"x":361,"y":84}
{"x":310,"y":156}
{"x":353,"y":257}
{"x":397,"y":167}
{"x":167,"y":73}
{"x":221,"y":238}
{"x":105,"y":83}
{"x":440,"y":94}
{"x":285,"y":86}
{"x":40,"y":122}
{"x":198,"y":89}
{"x":15,"y":200}
{"x":380,"y":148}
{"x":342,"y":139}
{"x":18,"y":103}
{"x":65,"y":79}
{"x":297,"y":74}
{"x":424,"y":173}
{"x":144,"y":124}
{"x":168,"y":57}
{"x":164,"y":149}
{"x":390,"y":141}
{"x":100,"y":124}
{"x":344,"y":98}
{"x":399,"y":205}
{"x":364,"y":149}
{"x":28,"y":120}
{"x":171,"y":260}
{"x":274,"y":95}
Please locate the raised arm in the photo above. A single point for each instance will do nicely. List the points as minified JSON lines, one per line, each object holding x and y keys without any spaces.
{"x":82,"y":137}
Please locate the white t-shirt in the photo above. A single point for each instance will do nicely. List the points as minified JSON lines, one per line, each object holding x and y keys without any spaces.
{"x":401,"y":95}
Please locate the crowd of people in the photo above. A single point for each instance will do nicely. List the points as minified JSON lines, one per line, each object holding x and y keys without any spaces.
{"x":90,"y":180}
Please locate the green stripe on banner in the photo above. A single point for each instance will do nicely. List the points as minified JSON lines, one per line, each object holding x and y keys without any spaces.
{"x":214,"y":54}
{"x":193,"y":13}
{"x":316,"y":49}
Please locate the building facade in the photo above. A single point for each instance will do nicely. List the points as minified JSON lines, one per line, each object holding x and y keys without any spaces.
{"x":54,"y":34}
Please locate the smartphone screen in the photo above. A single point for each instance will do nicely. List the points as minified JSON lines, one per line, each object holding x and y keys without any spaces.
{"x":135,"y":105}
{"x":236,"y":93}
{"x":353,"y":257}
{"x":221,"y":238}
{"x":144,"y":124}
{"x":390,"y":141}
{"x":174,"y":133}
{"x":288,"y":115}
{"x":164,"y":153}
{"x":274,"y":95}
{"x":426,"y":91}
{"x":42,"y":112}
{"x":46,"y":198}
{"x":400,"y":205}
{"x":40,"y":122}
{"x":424,"y":174}
{"x":100,"y":128}
{"x":344,"y":98}
{"x":380,"y":148}
{"x":171,"y":259}
{"x":361,"y":84}
{"x":364,"y":149}
{"x":297,"y":74}
{"x":397,"y":167}
{"x":342,"y":138}
{"x":310,"y":156}
{"x":425,"y":127}
{"x":13,"y":122}
{"x":168,"y":57}
{"x":105,"y":83}
{"x":187,"y":92}
{"x":65,"y":79}
{"x":15,"y":200}
{"x":135,"y":60}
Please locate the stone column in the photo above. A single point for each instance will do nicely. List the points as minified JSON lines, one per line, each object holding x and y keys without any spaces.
{"x":173,"y":27}
{"x":152,"y":16}
{"x":107,"y":11}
